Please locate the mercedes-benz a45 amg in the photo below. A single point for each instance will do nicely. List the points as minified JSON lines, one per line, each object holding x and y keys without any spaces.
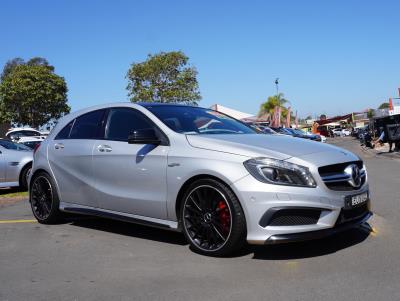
{"x":198,"y":171}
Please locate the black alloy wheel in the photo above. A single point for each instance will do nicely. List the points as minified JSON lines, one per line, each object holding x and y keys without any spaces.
{"x":212,"y":218}
{"x":44,"y":199}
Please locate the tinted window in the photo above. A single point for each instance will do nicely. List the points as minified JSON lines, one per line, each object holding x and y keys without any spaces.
{"x":123,"y":121}
{"x":29,"y":133}
{"x":64,"y":133}
{"x":15,"y":146}
{"x":87,"y":126}
{"x":193,"y":120}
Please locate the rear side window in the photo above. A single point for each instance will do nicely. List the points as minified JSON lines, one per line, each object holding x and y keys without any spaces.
{"x":123,"y":121}
{"x":86,"y":126}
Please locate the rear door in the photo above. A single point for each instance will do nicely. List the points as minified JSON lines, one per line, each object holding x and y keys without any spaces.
{"x":70,"y":158}
{"x":130,"y":178}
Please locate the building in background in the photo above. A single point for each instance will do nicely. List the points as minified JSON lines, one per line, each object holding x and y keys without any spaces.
{"x":231,"y":112}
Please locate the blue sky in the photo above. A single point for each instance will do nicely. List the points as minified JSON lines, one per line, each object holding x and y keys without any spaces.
{"x":331,"y":56}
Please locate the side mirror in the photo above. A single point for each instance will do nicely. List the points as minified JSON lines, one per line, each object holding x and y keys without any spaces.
{"x":144,"y":136}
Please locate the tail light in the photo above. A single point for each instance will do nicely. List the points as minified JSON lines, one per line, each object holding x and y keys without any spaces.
{"x":36,"y":148}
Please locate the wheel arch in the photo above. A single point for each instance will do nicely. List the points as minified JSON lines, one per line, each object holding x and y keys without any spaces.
{"x":35,"y":173}
{"x":25,"y":166}
{"x":188,"y":182}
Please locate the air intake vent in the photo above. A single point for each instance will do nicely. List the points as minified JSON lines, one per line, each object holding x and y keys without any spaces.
{"x":290,"y":217}
{"x":347,"y":215}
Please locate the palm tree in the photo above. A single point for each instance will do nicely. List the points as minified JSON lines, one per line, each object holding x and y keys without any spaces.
{"x":272,"y":102}
{"x":384,"y":105}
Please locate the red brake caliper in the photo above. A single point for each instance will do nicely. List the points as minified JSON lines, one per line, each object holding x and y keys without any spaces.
{"x":224,"y":216}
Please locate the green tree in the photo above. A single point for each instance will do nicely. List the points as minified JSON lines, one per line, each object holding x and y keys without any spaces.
{"x":32,"y":94}
{"x":163,"y":77}
{"x":35,"y":61}
{"x":272,"y":102}
{"x":10,"y":66}
{"x":370,"y":113}
{"x":384,"y":105}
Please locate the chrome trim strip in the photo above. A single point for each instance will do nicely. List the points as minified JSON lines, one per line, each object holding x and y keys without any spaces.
{"x":340,"y":177}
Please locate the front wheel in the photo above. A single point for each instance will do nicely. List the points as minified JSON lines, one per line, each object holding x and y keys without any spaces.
{"x":212,"y":219}
{"x":44,"y":199}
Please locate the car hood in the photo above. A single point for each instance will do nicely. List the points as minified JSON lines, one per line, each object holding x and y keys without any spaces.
{"x":257,"y":145}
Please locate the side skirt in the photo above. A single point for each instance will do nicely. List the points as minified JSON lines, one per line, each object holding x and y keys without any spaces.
{"x":121,"y":216}
{"x":9,"y":184}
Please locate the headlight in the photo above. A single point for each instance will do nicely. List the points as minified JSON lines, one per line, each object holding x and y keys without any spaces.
{"x":279,"y":172}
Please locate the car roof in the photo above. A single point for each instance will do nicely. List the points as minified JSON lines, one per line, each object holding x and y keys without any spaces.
{"x":160,"y":104}
{"x":21,"y":129}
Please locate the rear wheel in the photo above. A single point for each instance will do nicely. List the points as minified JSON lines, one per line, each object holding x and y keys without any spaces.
{"x":212,"y":218}
{"x":44,"y":199}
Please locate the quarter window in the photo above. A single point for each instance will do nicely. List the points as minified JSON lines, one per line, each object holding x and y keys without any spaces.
{"x":123,"y":121}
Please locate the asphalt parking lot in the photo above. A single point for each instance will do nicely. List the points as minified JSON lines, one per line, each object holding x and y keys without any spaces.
{"x":95,"y":259}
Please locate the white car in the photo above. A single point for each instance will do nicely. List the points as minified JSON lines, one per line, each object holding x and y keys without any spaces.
{"x":341,"y":132}
{"x":346,"y":132}
{"x":16,"y":133}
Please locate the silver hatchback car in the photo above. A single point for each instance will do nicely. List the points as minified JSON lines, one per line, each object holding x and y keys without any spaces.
{"x":197,"y":171}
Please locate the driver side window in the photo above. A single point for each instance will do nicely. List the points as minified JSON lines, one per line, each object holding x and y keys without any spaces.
{"x":123,"y":121}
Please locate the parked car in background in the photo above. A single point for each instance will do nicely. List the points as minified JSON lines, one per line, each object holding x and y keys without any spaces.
{"x":161,"y":165}
{"x":44,"y":133}
{"x":337,"y":132}
{"x":316,"y":137}
{"x":300,"y":134}
{"x":16,"y":133}
{"x":267,"y":130}
{"x":346,"y":132}
{"x":281,"y":130}
{"x":31,"y":142}
{"x":15,"y":164}
{"x":341,"y":132}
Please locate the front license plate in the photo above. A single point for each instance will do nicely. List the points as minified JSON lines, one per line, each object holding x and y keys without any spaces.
{"x":358,"y":200}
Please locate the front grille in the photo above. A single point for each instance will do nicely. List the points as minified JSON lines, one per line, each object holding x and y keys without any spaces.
{"x":335,"y":178}
{"x":347,"y":215}
{"x":294,"y":217}
{"x":337,"y":168}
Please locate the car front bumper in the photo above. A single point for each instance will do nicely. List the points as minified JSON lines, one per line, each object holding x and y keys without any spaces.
{"x":303,"y":236}
{"x":258,"y":199}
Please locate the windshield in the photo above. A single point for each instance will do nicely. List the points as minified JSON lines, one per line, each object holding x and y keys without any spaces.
{"x":193,"y":120}
{"x":15,"y":146}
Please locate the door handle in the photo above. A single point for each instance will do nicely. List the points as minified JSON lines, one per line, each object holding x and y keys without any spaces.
{"x":58,"y":146}
{"x":104,"y":148}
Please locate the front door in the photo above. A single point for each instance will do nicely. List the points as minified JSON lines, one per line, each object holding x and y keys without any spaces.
{"x":130,"y":178}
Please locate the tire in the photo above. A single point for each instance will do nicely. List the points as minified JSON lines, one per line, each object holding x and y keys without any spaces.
{"x":212,"y":219}
{"x":23,"y":177}
{"x":44,"y":199}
